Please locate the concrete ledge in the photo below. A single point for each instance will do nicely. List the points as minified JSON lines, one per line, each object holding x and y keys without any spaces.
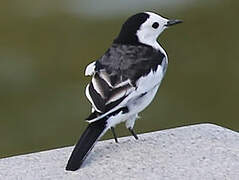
{"x":203,"y":151}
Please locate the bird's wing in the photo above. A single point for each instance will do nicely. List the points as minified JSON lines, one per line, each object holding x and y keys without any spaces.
{"x":121,"y":75}
{"x":107,"y":98}
{"x":103,"y":95}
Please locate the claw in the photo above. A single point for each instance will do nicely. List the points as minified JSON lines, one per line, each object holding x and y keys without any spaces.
{"x":133,"y":133}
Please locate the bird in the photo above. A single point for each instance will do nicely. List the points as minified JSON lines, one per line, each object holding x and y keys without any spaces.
{"x":124,"y":80}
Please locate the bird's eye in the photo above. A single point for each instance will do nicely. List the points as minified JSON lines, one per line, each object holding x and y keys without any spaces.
{"x":155,"y":25}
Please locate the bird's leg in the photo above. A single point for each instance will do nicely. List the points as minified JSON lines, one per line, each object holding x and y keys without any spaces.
{"x":113,"y":132}
{"x":133,"y":133}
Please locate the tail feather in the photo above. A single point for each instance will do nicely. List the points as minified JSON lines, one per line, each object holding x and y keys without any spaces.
{"x":85,"y":144}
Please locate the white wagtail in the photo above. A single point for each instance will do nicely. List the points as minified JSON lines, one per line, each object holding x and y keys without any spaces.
{"x":124,"y":80}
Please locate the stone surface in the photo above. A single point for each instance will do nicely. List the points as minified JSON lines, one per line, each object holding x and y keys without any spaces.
{"x":203,"y":151}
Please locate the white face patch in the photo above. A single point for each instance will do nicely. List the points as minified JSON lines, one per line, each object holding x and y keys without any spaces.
{"x":148,"y":34}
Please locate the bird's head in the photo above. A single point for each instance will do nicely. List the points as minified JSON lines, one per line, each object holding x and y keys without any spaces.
{"x":143,"y":28}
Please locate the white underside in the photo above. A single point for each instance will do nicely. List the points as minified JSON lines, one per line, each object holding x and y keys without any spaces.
{"x":135,"y":106}
{"x":148,"y":84}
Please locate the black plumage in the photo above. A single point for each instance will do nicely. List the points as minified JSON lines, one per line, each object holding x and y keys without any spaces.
{"x":128,"y":31}
{"x":123,"y":62}
{"x":85,"y":144}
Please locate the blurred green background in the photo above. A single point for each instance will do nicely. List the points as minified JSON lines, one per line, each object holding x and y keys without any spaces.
{"x":45,"y":46}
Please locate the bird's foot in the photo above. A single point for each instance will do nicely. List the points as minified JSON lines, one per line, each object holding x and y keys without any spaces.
{"x":113,"y":132}
{"x":133,"y":133}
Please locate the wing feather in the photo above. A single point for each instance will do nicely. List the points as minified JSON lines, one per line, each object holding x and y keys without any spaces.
{"x":101,"y":86}
{"x":90,"y":69}
{"x":103,"y":95}
{"x":119,"y":92}
{"x":97,"y":100}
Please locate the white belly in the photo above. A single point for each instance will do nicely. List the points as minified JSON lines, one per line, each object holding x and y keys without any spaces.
{"x":138,"y":100}
{"x":134,"y":107}
{"x":141,"y":103}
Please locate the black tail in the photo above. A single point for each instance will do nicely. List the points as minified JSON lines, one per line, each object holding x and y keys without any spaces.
{"x":85,"y":144}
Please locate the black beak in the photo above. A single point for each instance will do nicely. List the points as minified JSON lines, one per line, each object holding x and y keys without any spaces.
{"x":173,"y":22}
